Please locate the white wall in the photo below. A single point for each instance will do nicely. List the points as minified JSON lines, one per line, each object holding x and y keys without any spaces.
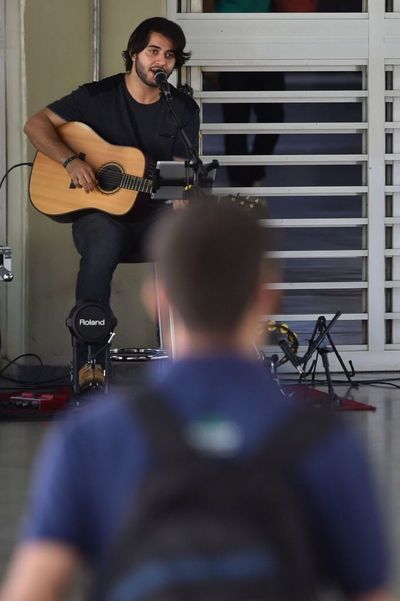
{"x":57,"y":48}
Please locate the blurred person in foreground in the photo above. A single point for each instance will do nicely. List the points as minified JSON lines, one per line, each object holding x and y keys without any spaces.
{"x":90,"y":472}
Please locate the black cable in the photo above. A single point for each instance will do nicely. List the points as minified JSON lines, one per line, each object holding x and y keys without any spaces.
{"x":3,"y":369}
{"x":30,"y":384}
{"x":61,"y":381}
{"x":37,"y":388}
{"x":388,"y":385}
{"x":11,"y":168}
{"x":383,"y":382}
{"x":36,"y":383}
{"x":17,"y":359}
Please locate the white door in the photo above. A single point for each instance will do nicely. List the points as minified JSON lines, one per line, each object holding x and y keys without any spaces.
{"x":332,"y":181}
{"x":3,"y":217}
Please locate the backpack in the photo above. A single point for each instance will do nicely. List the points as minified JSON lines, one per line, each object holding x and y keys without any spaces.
{"x":212,"y":528}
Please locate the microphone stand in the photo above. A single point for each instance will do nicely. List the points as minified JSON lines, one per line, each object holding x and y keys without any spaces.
{"x":320,"y":334}
{"x":193,"y":161}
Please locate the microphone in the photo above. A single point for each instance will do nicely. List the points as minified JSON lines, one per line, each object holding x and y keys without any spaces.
{"x":161,"y":80}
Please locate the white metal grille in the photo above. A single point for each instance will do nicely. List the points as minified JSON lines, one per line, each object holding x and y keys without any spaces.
{"x":3,"y":217}
{"x":3,"y":154}
{"x":333,"y":181}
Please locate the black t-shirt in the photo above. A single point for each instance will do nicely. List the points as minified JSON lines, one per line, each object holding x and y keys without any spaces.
{"x":108,"y":108}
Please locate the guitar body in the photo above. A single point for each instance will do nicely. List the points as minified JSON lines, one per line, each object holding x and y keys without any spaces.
{"x":50,"y":186}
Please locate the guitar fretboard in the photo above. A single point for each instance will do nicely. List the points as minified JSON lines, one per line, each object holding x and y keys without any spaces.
{"x":139,"y":184}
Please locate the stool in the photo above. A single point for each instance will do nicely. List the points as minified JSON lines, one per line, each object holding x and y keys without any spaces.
{"x":133,"y":354}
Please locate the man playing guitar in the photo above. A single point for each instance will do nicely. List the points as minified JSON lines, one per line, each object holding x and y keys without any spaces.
{"x":125,"y":109}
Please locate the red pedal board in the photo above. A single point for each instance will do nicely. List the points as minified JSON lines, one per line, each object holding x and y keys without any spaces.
{"x":31,"y":404}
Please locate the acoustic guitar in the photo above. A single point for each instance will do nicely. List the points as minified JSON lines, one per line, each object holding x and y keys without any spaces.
{"x":120,"y":174}
{"x":119,"y":170}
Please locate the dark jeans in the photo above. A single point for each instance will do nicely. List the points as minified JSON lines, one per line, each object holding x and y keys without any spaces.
{"x":103,"y":242}
{"x":241,"y":175}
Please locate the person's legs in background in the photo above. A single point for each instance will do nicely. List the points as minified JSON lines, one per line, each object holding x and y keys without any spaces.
{"x":236,"y":113}
{"x":238,"y":144}
{"x":264,"y":144}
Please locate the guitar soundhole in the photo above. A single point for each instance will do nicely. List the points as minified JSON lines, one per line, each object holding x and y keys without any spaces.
{"x":109,"y":178}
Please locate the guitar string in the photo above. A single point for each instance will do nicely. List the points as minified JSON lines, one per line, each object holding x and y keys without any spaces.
{"x":125,"y":180}
{"x":117,"y":176}
{"x":140,"y":184}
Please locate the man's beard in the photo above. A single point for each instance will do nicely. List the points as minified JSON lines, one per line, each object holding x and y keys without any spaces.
{"x":142,"y":75}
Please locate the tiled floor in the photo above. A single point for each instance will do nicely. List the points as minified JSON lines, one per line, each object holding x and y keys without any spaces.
{"x":19,"y":441}
{"x":18,"y":444}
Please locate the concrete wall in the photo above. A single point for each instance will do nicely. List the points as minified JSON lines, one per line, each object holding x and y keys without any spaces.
{"x":58,"y":44}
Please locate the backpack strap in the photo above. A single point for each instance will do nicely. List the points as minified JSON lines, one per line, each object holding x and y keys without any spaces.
{"x":162,"y":425}
{"x":291,"y":440}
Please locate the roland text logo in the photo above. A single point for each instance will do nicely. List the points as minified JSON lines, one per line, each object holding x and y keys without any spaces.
{"x":92,"y":322}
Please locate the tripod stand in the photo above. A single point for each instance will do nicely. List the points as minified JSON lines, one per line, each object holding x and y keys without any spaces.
{"x":321,"y":334}
{"x":318,"y":343}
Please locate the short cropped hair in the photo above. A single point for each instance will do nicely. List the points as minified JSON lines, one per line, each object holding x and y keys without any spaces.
{"x":140,"y":38}
{"x":210,"y":259}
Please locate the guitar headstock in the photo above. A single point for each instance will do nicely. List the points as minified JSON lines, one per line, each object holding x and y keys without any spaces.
{"x":252,"y":204}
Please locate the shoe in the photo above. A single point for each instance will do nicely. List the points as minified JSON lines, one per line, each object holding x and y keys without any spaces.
{"x":91,"y":376}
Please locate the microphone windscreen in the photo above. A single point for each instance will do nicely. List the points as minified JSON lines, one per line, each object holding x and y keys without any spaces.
{"x":160,"y":76}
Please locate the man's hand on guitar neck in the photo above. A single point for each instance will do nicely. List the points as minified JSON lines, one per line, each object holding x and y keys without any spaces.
{"x":82,"y":175}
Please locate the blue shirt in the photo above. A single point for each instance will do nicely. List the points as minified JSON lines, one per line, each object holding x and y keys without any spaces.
{"x":92,"y":465}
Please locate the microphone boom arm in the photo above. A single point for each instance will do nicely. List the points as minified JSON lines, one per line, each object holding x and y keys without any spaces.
{"x":200,"y":171}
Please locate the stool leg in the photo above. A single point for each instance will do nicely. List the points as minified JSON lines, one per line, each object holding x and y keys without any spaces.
{"x":171,"y":332}
{"x":107,"y":370}
{"x":160,"y":332}
{"x":75,"y":366}
{"x":166,"y":331}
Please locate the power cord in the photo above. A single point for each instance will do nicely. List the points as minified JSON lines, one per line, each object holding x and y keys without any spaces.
{"x":11,"y":168}
{"x":29,"y":383}
{"x":379,"y":382}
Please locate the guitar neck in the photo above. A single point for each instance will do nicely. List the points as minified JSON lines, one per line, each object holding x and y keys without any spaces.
{"x":139,"y":184}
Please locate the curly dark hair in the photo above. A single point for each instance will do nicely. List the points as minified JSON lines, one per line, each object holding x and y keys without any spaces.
{"x":140,"y":38}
